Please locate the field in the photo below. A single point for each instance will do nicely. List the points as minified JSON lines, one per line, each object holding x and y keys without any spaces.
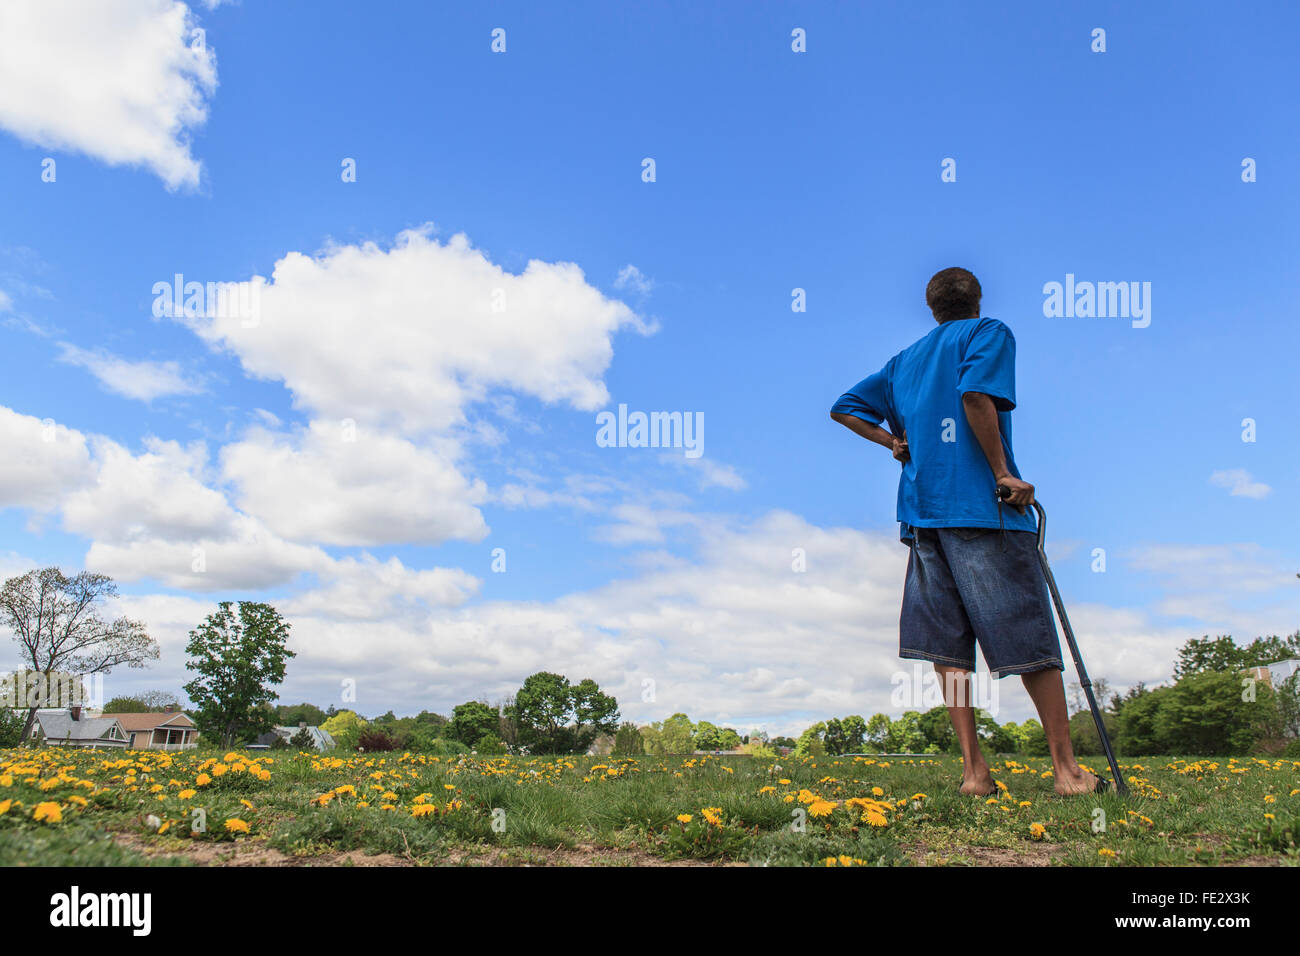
{"x":92,"y":808}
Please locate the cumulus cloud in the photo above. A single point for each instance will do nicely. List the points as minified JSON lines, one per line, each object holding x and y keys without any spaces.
{"x":405,"y":338}
{"x":123,"y":81}
{"x":1239,"y":483}
{"x":143,"y":380}
{"x":158,"y":495}
{"x":42,"y":461}
{"x":341,"y":485}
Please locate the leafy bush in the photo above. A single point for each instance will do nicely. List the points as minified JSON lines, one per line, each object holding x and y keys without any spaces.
{"x":372,"y":740}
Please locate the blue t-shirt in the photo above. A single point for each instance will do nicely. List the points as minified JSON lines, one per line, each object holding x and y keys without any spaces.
{"x":948,"y":482}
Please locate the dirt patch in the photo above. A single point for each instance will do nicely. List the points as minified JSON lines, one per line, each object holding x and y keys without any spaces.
{"x":253,"y":853}
{"x":584,"y":854}
{"x":257,"y":853}
{"x":1031,"y":854}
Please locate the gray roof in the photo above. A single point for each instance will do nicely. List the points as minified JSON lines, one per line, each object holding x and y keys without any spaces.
{"x":321,"y":740}
{"x":61,"y":726}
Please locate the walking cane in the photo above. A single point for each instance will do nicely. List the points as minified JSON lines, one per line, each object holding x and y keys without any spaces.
{"x":1120,"y":786}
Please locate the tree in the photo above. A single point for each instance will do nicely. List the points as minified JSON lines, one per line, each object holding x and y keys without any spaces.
{"x":11,"y":727}
{"x":1205,"y":714}
{"x":936,"y":725}
{"x":905,"y":734}
{"x":472,"y":720}
{"x":712,"y":737}
{"x":847,"y":736}
{"x":147,"y":702}
{"x":290,"y":715}
{"x":1034,"y":739}
{"x":672,"y":736}
{"x":878,"y":731}
{"x":345,"y":727}
{"x":558,"y":717}
{"x":627,"y":742}
{"x":1135,"y":720}
{"x":56,"y":623}
{"x":239,"y":658}
{"x":810,"y":741}
{"x":1204,"y":654}
{"x":302,"y":740}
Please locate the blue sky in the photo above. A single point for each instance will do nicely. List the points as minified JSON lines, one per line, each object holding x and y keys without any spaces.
{"x":775,"y":170}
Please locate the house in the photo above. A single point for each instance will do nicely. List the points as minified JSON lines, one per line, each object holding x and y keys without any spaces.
{"x":1275,"y":674}
{"x":70,"y":728}
{"x":168,"y":730}
{"x":320,"y":739}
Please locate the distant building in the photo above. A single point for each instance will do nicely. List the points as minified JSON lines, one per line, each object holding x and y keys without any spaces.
{"x":71,"y":728}
{"x":1275,"y":674}
{"x":320,"y":739}
{"x":168,"y":730}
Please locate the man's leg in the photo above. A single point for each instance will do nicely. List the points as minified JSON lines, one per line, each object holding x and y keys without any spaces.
{"x":1048,"y":693}
{"x":975,"y":776}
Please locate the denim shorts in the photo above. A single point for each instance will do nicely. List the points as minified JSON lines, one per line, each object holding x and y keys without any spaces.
{"x":978,"y":584}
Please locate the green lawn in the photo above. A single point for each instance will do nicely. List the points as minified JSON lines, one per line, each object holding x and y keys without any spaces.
{"x":61,"y":806}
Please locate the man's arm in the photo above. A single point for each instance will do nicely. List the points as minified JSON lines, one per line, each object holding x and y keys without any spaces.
{"x":874,"y":433}
{"x":982,"y":416}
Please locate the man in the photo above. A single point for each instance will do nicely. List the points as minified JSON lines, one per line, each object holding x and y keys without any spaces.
{"x":973,"y":574}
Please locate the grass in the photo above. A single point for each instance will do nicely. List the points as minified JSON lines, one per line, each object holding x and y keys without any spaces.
{"x":115,"y":808}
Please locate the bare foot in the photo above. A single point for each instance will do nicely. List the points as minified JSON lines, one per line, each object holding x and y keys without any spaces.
{"x":1080,"y":781}
{"x":979,"y":784}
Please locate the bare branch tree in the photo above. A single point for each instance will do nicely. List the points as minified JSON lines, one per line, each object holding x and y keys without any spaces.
{"x":55,"y":621}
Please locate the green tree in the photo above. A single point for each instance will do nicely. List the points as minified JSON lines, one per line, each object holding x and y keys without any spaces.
{"x":555,"y":716}
{"x":290,"y":715}
{"x":1034,"y":739}
{"x":674,"y":736}
{"x":1136,"y":733}
{"x":11,"y":727}
{"x":936,"y":725}
{"x":302,"y":740}
{"x":1205,"y":714}
{"x":471,"y":720}
{"x":345,"y":727}
{"x":627,"y":742}
{"x":239,"y":658}
{"x":55,"y":621}
{"x":847,"y":736}
{"x":810,"y":743}
{"x":711,"y":737}
{"x":1204,"y":654}
{"x":905,"y":734}
{"x":878,"y":731}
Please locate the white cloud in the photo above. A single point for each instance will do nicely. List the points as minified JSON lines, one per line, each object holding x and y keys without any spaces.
{"x":405,"y":338}
{"x":159,"y":495}
{"x":119,"y":80}
{"x":373,"y":489}
{"x":42,"y":461}
{"x":6,"y":303}
{"x":709,"y":473}
{"x":1239,"y":483}
{"x":631,"y":278}
{"x":143,"y":380}
{"x":244,"y":557}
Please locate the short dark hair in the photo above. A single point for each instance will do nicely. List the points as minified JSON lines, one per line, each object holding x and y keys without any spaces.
{"x":953,"y":294}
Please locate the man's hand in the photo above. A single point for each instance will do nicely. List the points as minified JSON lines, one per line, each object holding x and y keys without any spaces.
{"x":1022,"y":492}
{"x":901,"y":451}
